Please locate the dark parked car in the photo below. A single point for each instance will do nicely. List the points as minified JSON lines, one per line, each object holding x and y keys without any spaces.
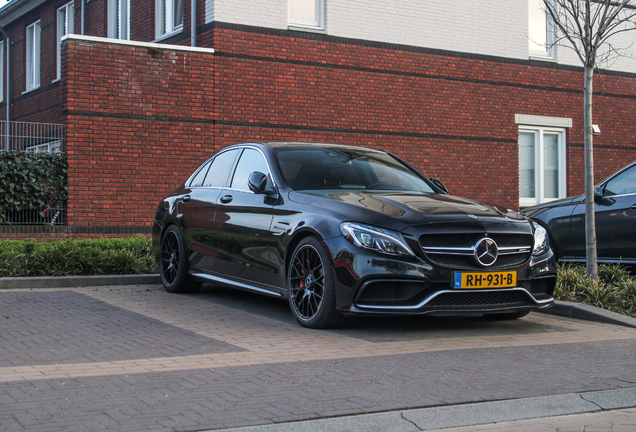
{"x":615,"y":212}
{"x":341,"y":230}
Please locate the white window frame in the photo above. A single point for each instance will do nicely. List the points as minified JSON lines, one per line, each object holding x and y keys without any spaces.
{"x":118,"y":25}
{"x":2,"y":71}
{"x":65,"y":26}
{"x":33,"y":56}
{"x":539,"y":167}
{"x":164,"y":18}
{"x":318,"y":24}
{"x":549,"y":53}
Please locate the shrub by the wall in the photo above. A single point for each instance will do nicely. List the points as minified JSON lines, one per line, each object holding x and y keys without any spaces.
{"x":31,"y":182}
{"x":72,"y":257}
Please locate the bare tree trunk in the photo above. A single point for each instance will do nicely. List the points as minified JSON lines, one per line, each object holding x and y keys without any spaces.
{"x":590,"y":227}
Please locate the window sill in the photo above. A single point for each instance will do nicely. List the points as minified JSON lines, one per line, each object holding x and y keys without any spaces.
{"x":55,"y":80}
{"x":298,"y":27}
{"x":168,"y":35}
{"x":543,"y":58}
{"x":30,"y":90}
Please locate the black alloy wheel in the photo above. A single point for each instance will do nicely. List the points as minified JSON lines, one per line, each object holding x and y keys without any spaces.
{"x":310,"y":283}
{"x":173,"y":263}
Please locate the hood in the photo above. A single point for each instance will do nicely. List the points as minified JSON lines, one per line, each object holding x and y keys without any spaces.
{"x":538,"y":209}
{"x":398,"y":210}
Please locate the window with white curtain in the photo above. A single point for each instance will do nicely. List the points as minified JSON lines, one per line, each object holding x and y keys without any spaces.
{"x":33,"y":56}
{"x":540,"y":31}
{"x":119,"y":19}
{"x":307,"y":13}
{"x":64,"y":27}
{"x":1,"y":71}
{"x":542,"y":175}
{"x":169,"y":16}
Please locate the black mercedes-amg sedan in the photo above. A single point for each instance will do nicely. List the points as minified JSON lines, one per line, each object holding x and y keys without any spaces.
{"x":340,"y":230}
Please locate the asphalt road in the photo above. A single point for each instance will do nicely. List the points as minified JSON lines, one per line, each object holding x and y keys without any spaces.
{"x":135,"y":358}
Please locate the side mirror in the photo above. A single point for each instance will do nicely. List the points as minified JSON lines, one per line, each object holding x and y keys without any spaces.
{"x":598,"y":194}
{"x":439,"y":184}
{"x":257,"y":182}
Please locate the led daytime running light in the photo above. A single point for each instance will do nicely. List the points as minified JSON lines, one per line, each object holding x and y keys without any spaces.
{"x":376,"y":239}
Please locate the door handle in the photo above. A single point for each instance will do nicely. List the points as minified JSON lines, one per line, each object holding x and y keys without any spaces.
{"x":633,"y":207}
{"x":227,"y":199}
{"x":186,"y":198}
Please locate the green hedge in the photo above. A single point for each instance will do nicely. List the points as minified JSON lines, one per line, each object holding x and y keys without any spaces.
{"x":32,"y":181}
{"x":73,"y":257}
{"x":615,"y":290}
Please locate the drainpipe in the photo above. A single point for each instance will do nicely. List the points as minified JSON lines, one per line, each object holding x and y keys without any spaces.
{"x":83,"y":17}
{"x":8,"y":45}
{"x":193,"y":23}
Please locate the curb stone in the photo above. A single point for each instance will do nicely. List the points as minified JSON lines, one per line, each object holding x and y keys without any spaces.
{"x":78,"y":281}
{"x":454,"y":416}
{"x":589,"y":313}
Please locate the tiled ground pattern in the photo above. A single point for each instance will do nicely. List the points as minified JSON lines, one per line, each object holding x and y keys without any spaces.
{"x":238,"y":359}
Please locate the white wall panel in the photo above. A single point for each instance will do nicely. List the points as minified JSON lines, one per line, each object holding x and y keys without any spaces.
{"x":487,"y":27}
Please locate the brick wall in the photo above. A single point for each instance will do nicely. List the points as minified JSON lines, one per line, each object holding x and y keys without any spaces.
{"x":41,"y":104}
{"x":141,"y":120}
{"x":450,"y":116}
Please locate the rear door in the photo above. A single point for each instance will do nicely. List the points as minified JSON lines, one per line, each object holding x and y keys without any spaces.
{"x":198,"y":209}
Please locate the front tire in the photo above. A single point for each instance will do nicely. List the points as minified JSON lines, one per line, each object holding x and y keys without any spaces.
{"x":311,"y":287}
{"x":173,"y":263}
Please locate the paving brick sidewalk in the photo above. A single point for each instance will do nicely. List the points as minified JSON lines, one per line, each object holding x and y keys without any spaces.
{"x":137,"y":358}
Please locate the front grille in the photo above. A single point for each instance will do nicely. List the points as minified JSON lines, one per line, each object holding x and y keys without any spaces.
{"x":469,"y":239}
{"x":481,"y":299}
{"x":541,"y":289}
{"x":458,"y":250}
{"x":467,"y":263}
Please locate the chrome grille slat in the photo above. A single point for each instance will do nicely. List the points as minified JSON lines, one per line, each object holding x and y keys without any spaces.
{"x":456,"y":251}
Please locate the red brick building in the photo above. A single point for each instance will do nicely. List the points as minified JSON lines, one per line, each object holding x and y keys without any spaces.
{"x":143,"y":107}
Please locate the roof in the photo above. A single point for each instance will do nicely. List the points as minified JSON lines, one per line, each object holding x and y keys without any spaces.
{"x":15,"y":9}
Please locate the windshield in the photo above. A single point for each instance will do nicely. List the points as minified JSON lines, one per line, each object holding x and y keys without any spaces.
{"x":336,"y":168}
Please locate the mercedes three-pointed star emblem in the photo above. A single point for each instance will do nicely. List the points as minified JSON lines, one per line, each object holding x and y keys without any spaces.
{"x":486,"y":252}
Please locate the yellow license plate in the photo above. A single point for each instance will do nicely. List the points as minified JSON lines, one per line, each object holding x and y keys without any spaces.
{"x":484,"y":280}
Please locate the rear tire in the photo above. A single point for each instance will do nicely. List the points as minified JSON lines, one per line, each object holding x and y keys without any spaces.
{"x":173,"y":263}
{"x":311,"y":287}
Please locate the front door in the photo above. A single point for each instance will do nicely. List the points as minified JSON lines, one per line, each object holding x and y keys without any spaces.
{"x":244,"y":241}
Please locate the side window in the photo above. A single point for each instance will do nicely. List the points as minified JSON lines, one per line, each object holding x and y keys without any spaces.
{"x":541,"y":165}
{"x":33,"y":56}
{"x":119,"y":19}
{"x":622,"y":184}
{"x":220,"y":169}
{"x":64,"y":26}
{"x":198,"y":180}
{"x":169,"y":16}
{"x":540,"y":30}
{"x":251,"y":160}
{"x":307,"y":13}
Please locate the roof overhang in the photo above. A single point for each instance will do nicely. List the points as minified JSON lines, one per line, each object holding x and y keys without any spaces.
{"x":15,"y":9}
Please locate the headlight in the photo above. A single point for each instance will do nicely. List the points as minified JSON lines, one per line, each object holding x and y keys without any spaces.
{"x":375,"y":239}
{"x":540,"y":239}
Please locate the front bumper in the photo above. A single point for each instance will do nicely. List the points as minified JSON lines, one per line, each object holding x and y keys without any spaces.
{"x":373,"y":283}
